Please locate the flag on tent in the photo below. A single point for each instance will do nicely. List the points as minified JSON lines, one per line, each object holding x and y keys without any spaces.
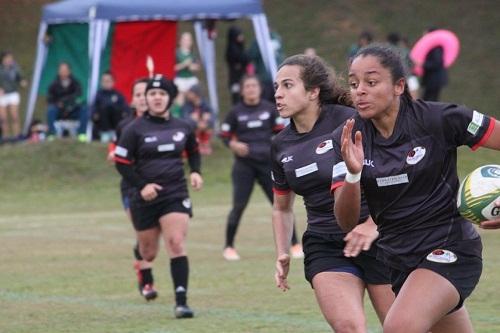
{"x":129,"y":46}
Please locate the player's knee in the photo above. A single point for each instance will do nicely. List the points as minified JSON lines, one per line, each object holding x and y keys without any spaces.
{"x":348,"y":325}
{"x":176,"y":244}
{"x":148,"y":253}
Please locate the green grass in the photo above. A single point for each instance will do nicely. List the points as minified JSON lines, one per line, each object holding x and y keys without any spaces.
{"x":66,"y":254}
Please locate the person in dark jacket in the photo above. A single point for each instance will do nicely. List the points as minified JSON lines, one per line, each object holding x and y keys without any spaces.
{"x":236,"y":59}
{"x":435,"y":74}
{"x":64,"y":101}
{"x":110,"y":107}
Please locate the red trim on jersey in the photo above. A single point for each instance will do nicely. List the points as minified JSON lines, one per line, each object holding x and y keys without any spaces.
{"x":278,"y":128}
{"x":111,"y":147}
{"x":336,"y":186}
{"x":226,"y":134}
{"x":280,"y":192}
{"x":486,"y":135}
{"x":122,"y":160}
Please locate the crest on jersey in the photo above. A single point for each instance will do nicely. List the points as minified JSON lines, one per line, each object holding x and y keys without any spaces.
{"x":186,"y":203}
{"x":324,"y":146}
{"x":415,"y":155}
{"x":177,"y":137}
{"x":442,"y":256}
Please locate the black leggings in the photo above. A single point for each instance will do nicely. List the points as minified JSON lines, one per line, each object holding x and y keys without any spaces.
{"x":243,"y":175}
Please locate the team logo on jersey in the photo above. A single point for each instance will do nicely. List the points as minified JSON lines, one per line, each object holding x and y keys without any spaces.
{"x":149,"y":139}
{"x":178,"y":136}
{"x":225,"y":127}
{"x":368,"y":163}
{"x":415,"y":155}
{"x":442,"y":256}
{"x":324,"y":146}
{"x":264,"y":115}
{"x":287,"y":159}
{"x":186,"y":203}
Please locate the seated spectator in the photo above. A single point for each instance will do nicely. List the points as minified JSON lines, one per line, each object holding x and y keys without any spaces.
{"x":109,"y":108}
{"x":64,"y":102}
{"x":197,"y":110}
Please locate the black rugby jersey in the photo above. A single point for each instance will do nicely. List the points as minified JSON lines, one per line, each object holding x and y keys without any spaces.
{"x":254,"y":125}
{"x":302,"y":163}
{"x":124,"y":185}
{"x":154,"y":146}
{"x":410,"y":179}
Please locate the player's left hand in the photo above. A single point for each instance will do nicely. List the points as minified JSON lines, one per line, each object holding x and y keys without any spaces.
{"x":492,"y":224}
{"x":281,"y":274}
{"x":196,"y":181}
{"x":360,"y":238}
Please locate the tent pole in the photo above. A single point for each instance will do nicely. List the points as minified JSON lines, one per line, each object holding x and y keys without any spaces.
{"x":263,"y":37}
{"x":41,"y":55}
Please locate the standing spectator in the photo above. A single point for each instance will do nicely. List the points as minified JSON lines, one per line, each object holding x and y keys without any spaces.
{"x":401,"y":46}
{"x":10,"y":80}
{"x":109,"y":108}
{"x":236,"y":59}
{"x":261,"y":71}
{"x":365,"y":38}
{"x":64,"y":101}
{"x":185,"y":65}
{"x":198,"y":111}
{"x":435,"y":74}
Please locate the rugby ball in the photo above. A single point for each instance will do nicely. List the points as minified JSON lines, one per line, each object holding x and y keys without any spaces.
{"x":478,"y":192}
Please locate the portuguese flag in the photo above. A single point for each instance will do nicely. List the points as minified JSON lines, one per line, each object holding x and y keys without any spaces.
{"x":128,"y":46}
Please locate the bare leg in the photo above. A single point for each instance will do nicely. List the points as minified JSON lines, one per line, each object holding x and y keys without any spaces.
{"x":382,"y":297}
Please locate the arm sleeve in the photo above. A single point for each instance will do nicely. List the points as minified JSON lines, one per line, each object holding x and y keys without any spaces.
{"x":125,"y":154}
{"x":228,"y":128}
{"x":193,"y":153}
{"x":464,"y":126}
{"x":280,"y":184}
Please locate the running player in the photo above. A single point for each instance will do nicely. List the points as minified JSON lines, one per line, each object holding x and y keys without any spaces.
{"x":338,"y":266}
{"x":149,"y":157}
{"x":404,"y":156}
{"x":143,"y":268}
{"x":247,"y":131}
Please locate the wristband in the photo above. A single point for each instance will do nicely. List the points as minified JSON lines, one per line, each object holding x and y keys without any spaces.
{"x":352,"y":177}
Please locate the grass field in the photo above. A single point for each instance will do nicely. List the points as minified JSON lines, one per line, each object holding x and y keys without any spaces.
{"x":66,"y":261}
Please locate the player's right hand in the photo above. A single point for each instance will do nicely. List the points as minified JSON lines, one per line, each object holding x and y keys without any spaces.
{"x":150,"y":191}
{"x":352,"y":152}
{"x":282,"y":268}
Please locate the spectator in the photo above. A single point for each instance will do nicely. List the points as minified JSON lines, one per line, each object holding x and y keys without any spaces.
{"x":435,"y":74}
{"x":400,"y":44}
{"x":185,"y":66}
{"x":10,"y":80}
{"x":109,"y":108}
{"x":65,"y":103}
{"x":261,"y":71}
{"x":197,"y":110}
{"x":37,"y":132}
{"x":365,"y":38}
{"x":237,"y":61}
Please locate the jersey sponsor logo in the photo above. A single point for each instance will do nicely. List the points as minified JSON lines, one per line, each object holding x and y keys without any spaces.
{"x":324,"y":146}
{"x":186,"y":203}
{"x":442,"y":256}
{"x":243,"y":118}
{"x":476,"y":122}
{"x":225,"y":127}
{"x":177,"y":137}
{"x":254,"y":124}
{"x":287,"y":159}
{"x":166,"y":147}
{"x":120,"y":151}
{"x":339,"y":169}
{"x":368,"y":163}
{"x":392,"y":180}
{"x":415,"y":155}
{"x":306,"y":170}
{"x":150,"y":139}
{"x":264,"y":115}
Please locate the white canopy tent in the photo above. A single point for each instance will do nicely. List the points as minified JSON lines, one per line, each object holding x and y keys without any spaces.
{"x":100,"y":13}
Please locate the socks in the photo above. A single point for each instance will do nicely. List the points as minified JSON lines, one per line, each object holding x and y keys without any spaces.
{"x":179,"y":268}
{"x":145,"y":275}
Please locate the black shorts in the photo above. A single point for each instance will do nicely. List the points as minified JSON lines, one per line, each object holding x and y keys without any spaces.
{"x":147,"y":216}
{"x":325,"y":253}
{"x":460,"y":263}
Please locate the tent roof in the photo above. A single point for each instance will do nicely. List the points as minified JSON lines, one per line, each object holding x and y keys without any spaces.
{"x":176,"y":10}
